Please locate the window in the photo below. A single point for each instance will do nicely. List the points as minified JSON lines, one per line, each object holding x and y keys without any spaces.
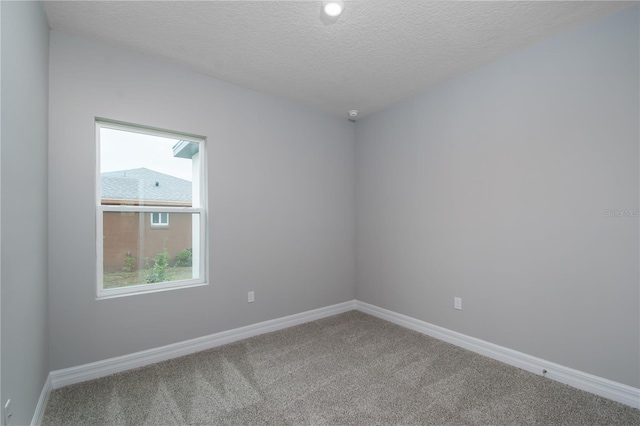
{"x":159,"y":219}
{"x":145,"y":176}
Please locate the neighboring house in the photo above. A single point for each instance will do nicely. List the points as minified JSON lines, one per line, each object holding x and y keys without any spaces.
{"x":143,"y":235}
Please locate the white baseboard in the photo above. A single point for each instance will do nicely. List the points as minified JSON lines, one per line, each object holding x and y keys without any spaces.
{"x":94,"y":370}
{"x":597,"y":385}
{"x":38,"y":415}
{"x":578,"y":379}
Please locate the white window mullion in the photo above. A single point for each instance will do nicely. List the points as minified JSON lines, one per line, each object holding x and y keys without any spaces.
{"x":150,"y":209}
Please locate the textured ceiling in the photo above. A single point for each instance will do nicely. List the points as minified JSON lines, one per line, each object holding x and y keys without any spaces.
{"x":377,"y":53}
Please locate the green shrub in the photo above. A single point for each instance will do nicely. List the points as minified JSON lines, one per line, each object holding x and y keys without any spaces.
{"x":160,"y":265}
{"x":184,"y":258}
{"x":129,"y":263}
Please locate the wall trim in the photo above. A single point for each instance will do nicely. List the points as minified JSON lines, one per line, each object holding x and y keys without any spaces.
{"x":38,"y":415}
{"x":94,"y":370}
{"x":606,"y":388}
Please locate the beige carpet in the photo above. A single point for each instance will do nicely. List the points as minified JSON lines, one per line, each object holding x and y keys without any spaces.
{"x":350,"y":369}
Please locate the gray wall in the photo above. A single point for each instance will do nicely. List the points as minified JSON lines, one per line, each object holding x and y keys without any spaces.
{"x":281,"y":186}
{"x":493,"y":187}
{"x":25,"y":363}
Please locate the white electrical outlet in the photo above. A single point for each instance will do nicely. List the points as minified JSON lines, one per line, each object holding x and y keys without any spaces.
{"x":457,"y":303}
{"x":7,"y":413}
{"x":250,"y":297}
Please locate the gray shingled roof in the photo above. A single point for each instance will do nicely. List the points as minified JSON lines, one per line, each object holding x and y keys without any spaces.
{"x":144,"y":184}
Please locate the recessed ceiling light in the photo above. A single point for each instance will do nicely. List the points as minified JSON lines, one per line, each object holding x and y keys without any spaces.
{"x":353,"y":113}
{"x":333,"y":8}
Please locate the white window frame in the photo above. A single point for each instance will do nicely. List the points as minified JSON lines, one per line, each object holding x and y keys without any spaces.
{"x":201,"y":263}
{"x":160,"y":223}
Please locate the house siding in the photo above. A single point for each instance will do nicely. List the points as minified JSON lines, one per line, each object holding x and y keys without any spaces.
{"x":127,"y":233}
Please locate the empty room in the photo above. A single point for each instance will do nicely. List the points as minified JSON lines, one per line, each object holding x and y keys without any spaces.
{"x":320,"y":212}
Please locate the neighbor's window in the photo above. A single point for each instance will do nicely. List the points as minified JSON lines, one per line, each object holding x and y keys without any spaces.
{"x":144,"y":177}
{"x":159,"y":219}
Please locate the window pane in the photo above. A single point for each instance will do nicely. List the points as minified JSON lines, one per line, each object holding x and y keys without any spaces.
{"x":140,"y":169}
{"x":134,"y":253}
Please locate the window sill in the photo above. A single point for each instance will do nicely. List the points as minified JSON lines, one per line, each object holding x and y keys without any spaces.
{"x":107,"y":294}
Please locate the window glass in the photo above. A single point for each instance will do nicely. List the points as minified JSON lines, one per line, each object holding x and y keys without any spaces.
{"x":150,"y":210}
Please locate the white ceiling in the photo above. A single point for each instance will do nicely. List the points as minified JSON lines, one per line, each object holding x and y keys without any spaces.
{"x":377,"y":53}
